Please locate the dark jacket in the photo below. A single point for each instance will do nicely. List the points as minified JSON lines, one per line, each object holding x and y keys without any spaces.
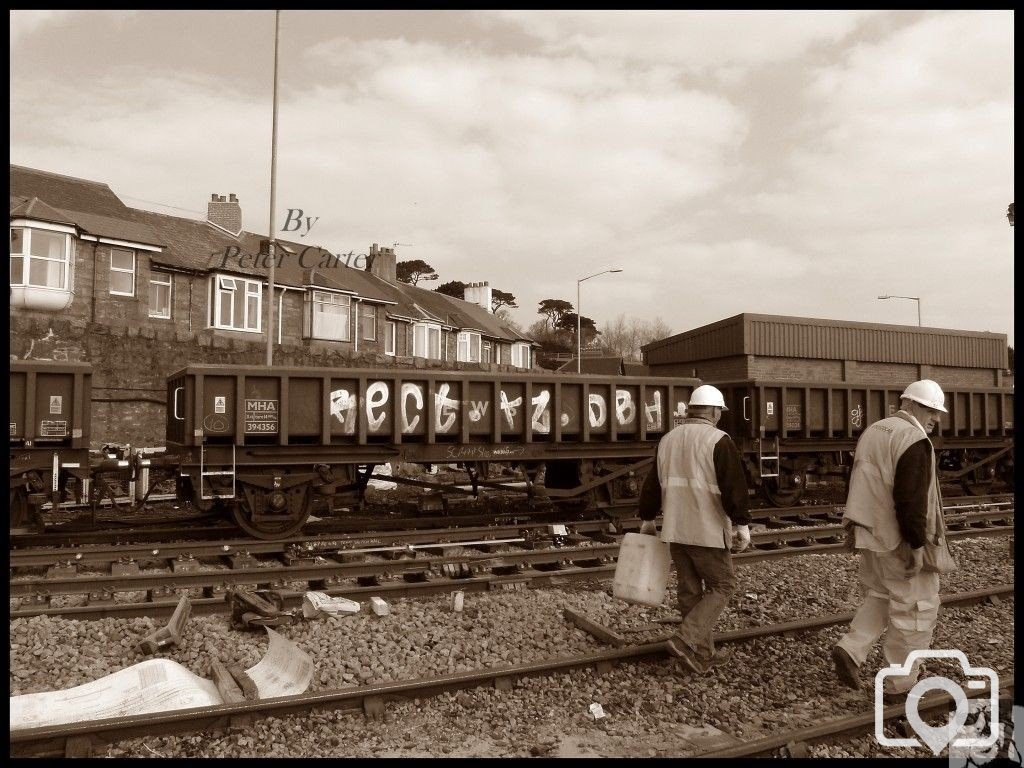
{"x":911,"y":481}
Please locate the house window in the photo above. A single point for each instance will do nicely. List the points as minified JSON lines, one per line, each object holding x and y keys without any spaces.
{"x":389,"y":338}
{"x":160,"y":295}
{"x":369,"y":322}
{"x":426,"y":341}
{"x":237,"y":304}
{"x":40,"y":258}
{"x":331,"y":316}
{"x":122,"y":272}
{"x":521,"y":355}
{"x":468,"y":349}
{"x":485,"y":354}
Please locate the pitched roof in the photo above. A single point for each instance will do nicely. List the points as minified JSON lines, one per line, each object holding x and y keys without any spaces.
{"x":91,"y":206}
{"x":606,"y":366}
{"x":34,"y":208}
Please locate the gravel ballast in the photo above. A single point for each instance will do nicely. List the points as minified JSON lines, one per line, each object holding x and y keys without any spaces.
{"x":652,"y":708}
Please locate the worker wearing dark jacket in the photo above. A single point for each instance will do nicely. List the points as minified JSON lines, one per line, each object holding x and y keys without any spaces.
{"x":699,"y":486}
{"x":892,"y":507}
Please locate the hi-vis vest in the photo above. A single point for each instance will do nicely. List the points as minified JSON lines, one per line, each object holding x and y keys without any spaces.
{"x":870,"y":503}
{"x":691,"y":502}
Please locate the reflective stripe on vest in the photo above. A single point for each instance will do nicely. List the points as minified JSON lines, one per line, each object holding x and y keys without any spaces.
{"x":870,"y":503}
{"x":691,"y":501}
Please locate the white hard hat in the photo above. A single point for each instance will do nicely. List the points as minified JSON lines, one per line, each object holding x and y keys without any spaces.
{"x":927,"y":393}
{"x":705,"y":394}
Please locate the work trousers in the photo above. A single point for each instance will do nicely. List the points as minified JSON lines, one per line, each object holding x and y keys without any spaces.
{"x":706,"y":582}
{"x":905,"y":608}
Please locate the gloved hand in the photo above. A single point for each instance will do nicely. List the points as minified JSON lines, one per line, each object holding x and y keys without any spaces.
{"x":649,"y":527}
{"x":743,"y":537}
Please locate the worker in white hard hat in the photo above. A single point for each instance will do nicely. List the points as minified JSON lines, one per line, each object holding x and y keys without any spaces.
{"x":699,"y":486}
{"x":893,"y":505}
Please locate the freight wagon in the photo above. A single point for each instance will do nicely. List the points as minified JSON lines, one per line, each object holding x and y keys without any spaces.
{"x":50,"y":420}
{"x":790,"y":431}
{"x":266,"y":443}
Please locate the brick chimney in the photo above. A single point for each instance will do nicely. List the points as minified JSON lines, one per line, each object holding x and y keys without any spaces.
{"x":226,"y":214}
{"x":381,"y":262}
{"x":480,"y":294}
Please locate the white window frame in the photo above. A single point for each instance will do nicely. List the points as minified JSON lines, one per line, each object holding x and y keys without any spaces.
{"x":421,"y":343}
{"x":341,"y":300}
{"x":486,"y":351}
{"x":122,"y":271}
{"x":390,"y":337}
{"x":27,"y":257}
{"x":369,"y":329}
{"x":467,"y":343}
{"x":247,"y":289}
{"x":521,"y":355}
{"x":154,"y":279}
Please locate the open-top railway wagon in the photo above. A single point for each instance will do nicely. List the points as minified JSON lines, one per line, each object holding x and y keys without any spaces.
{"x":788,"y":431}
{"x":264,"y":443}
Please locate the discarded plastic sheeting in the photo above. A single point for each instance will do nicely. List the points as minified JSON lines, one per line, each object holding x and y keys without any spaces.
{"x":316,"y":604}
{"x":154,"y":685}
{"x":159,"y":685}
{"x":383,"y":485}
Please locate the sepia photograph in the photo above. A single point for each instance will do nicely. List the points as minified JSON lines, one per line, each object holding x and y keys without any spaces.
{"x":512,"y":384}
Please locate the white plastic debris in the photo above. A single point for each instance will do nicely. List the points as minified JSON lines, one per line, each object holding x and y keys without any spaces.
{"x":458,"y":600}
{"x":597,"y":711}
{"x":321,"y":604}
{"x":379,"y":606}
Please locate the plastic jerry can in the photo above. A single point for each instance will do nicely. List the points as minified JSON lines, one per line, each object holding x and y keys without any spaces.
{"x":641,"y":574}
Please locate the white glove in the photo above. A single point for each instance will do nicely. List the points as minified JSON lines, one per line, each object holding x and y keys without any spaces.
{"x":649,"y":527}
{"x":743,"y":534}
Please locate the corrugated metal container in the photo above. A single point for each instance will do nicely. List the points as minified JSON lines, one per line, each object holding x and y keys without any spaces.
{"x":317,"y":406}
{"x":811,"y":338}
{"x":50,"y":403}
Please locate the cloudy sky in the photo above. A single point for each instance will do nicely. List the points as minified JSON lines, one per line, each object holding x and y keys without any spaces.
{"x":796,"y":163}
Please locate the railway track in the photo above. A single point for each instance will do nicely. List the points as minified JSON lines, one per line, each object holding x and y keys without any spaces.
{"x":383,"y":566}
{"x":80,"y":739}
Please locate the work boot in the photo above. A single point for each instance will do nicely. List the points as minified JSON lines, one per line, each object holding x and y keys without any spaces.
{"x":721,"y":658}
{"x":678,"y":648}
{"x":846,"y":667}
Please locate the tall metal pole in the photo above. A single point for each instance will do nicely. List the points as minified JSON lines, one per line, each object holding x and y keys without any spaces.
{"x":273,"y":200}
{"x":579,"y":343}
{"x":918,"y":313}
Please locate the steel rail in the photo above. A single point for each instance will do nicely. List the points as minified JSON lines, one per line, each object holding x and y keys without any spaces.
{"x":417,"y":581}
{"x":929,"y":704}
{"x":79,"y":737}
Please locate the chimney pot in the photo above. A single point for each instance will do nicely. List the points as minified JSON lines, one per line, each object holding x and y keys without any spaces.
{"x":232,"y":198}
{"x":213,"y":198}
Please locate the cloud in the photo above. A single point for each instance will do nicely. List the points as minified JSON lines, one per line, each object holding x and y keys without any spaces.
{"x":693,"y":39}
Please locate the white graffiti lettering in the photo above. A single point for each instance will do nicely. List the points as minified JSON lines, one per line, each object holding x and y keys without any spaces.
{"x":416,"y":391}
{"x":541,"y":421}
{"x":509,"y":408}
{"x":377,"y":396}
{"x":565,"y":419}
{"x":445,"y":409}
{"x":625,"y":411}
{"x":343,"y":408}
{"x":653,"y":412}
{"x":598,"y":410}
{"x":478,"y":410}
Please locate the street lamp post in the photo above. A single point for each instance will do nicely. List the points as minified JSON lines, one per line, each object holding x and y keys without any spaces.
{"x":912,"y":298}
{"x":579,"y":313}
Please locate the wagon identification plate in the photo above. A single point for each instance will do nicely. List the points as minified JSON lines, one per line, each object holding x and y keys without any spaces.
{"x":260,"y":416}
{"x":792,"y":418}
{"x":14,"y":428}
{"x":53,"y":428}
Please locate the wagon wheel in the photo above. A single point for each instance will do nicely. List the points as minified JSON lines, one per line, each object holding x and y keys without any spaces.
{"x":979,"y":481}
{"x":272,"y":530}
{"x":784,"y":490}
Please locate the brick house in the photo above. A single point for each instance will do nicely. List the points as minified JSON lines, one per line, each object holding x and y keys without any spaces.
{"x":140,"y":294}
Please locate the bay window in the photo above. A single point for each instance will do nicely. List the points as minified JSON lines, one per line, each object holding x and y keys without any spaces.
{"x":40,"y":258}
{"x":426,"y":341}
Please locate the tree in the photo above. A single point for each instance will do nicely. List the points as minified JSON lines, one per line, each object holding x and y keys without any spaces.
{"x":588,"y":328}
{"x":554,"y":310}
{"x":453,"y":288}
{"x":506,"y":317}
{"x":501,"y":299}
{"x":414,"y":270}
{"x":626,"y":337}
